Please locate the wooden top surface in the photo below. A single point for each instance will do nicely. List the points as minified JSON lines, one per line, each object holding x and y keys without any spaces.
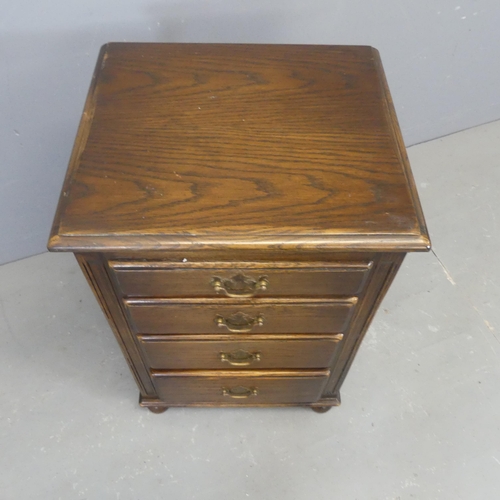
{"x":197,"y":145}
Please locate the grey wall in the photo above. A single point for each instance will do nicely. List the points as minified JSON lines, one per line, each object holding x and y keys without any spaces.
{"x":442,"y":60}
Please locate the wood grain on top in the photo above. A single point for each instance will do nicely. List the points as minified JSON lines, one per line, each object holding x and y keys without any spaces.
{"x":201,"y":145}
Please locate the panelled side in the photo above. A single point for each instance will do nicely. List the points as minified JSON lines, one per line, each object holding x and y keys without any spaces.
{"x":95,"y":271}
{"x":384,"y":271}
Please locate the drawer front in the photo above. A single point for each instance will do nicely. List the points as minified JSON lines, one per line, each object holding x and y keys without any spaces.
{"x":259,"y":316}
{"x":157,"y":279}
{"x":239,"y":388}
{"x":164,"y":353}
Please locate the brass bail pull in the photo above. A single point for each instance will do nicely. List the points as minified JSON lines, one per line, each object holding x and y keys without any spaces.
{"x":240,"y":285}
{"x":239,"y":392}
{"x":240,"y":357}
{"x":239,"y":322}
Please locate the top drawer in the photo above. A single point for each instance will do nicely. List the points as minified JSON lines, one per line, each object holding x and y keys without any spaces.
{"x":167,"y":279}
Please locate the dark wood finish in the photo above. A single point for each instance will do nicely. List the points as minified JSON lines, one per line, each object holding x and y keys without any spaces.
{"x":243,"y":388}
{"x":274,"y":352}
{"x":317,"y":409}
{"x":95,"y":273}
{"x":231,"y":145}
{"x":240,"y":212}
{"x":166,"y":279}
{"x":159,"y":409}
{"x":278,"y":315}
{"x":300,"y":257}
{"x":387,"y":268}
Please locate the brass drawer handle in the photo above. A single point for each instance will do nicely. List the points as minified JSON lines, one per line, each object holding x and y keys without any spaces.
{"x":240,"y":392}
{"x":239,"y":357}
{"x":239,"y":322}
{"x":240,"y":285}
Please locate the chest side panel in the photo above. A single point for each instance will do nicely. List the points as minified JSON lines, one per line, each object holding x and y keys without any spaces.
{"x":94,"y":268}
{"x":385,"y":269}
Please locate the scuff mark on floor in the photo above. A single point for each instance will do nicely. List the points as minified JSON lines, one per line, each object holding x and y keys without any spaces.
{"x":488,"y":324}
{"x":446,"y":272}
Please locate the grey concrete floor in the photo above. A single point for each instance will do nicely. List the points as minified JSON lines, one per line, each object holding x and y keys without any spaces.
{"x":421,"y":405}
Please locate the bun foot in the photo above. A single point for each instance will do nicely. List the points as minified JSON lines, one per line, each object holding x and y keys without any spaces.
{"x":321,"y":409}
{"x":157,"y":409}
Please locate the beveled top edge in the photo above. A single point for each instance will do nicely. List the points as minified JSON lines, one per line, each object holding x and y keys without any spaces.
{"x":393,"y":121}
{"x":349,"y":242}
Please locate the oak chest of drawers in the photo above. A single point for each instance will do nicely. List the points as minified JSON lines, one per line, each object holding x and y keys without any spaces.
{"x":239,"y":212}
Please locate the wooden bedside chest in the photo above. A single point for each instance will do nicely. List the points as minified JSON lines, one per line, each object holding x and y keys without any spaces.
{"x":239,"y":212}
